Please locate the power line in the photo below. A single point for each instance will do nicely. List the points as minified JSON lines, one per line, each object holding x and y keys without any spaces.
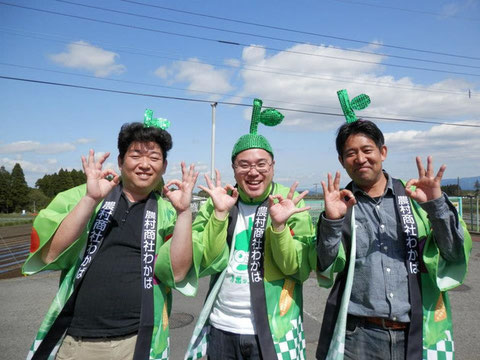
{"x":276,"y":71}
{"x":156,"y":85}
{"x":172,"y":87}
{"x":260,"y":36}
{"x":299,"y":31}
{"x":406,"y":10}
{"x":223,"y":102}
{"x":230,"y":42}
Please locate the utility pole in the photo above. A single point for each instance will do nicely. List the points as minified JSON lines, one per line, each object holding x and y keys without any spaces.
{"x":316,"y":184}
{"x":212,"y":171}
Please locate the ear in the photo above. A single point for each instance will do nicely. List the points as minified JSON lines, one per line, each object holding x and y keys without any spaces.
{"x":340,"y":159}
{"x":120,"y":162}
{"x":383,"y":152}
{"x":164,"y":167}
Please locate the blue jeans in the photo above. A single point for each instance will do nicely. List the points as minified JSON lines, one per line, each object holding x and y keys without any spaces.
{"x":365,"y":341}
{"x":223,"y":345}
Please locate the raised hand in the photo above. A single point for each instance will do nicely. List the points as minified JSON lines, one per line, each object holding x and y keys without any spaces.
{"x":336,"y":201}
{"x":98,"y":186}
{"x":427,"y":186}
{"x":281,"y":210}
{"x":222,"y":200}
{"x":181,"y":197}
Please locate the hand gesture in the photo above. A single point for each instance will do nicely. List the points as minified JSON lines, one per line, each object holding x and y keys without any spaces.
{"x":427,"y":186}
{"x":336,"y":201}
{"x":281,"y":211}
{"x":182,"y":197}
{"x":222,"y":201}
{"x":98,"y":186}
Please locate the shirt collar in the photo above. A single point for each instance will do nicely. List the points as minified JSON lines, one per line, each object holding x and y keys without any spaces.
{"x":254,"y":201}
{"x":389,"y":187}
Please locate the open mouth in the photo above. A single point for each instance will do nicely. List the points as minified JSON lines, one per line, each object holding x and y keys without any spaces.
{"x":143,"y":176}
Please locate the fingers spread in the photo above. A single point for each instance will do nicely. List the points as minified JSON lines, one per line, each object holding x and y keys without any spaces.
{"x":292,"y":190}
{"x":300,"y":197}
{"x":421,"y":170}
{"x":440,"y":172}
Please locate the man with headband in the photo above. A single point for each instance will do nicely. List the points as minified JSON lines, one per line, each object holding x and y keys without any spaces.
{"x":121,"y":247}
{"x":397,"y":247}
{"x":259,"y":233}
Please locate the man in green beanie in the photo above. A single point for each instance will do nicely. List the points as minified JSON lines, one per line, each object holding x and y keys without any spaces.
{"x":257,"y":239}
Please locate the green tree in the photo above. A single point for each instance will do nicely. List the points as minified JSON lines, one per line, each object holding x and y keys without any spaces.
{"x":78,"y":177}
{"x":65,"y":181}
{"x":5,"y":195}
{"x":38,"y":200}
{"x":452,"y":190}
{"x":19,"y":189}
{"x":45,"y":184}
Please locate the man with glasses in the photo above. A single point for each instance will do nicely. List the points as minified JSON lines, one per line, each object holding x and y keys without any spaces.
{"x":257,"y":238}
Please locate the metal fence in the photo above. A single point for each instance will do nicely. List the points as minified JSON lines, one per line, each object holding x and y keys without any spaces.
{"x":467,"y":207}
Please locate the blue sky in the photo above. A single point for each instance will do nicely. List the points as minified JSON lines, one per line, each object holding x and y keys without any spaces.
{"x":416,"y":61}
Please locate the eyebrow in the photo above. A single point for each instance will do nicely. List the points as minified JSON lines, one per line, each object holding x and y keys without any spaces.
{"x":140,"y":151}
{"x":248,"y":162}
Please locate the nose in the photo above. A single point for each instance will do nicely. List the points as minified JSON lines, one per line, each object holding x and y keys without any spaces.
{"x":144,"y":162}
{"x":253,"y":168}
{"x":361,"y":158}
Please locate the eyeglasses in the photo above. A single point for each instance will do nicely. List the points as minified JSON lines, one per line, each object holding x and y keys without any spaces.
{"x":244,"y":167}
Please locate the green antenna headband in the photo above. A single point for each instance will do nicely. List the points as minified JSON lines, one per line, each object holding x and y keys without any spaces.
{"x":150,"y":121}
{"x":268,"y":117}
{"x":359,"y":102}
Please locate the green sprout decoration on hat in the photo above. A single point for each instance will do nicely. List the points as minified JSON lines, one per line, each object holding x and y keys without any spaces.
{"x":359,"y":102}
{"x":269,"y":117}
{"x":150,"y":121}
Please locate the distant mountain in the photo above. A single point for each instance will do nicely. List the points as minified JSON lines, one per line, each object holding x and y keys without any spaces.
{"x":465,"y":183}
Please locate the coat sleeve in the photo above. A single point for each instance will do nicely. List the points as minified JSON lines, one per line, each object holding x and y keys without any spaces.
{"x":210,"y":253}
{"x":293,"y":248}
{"x":446,"y":274}
{"x":210,"y":234}
{"x":330,"y":252}
{"x":45,"y":226}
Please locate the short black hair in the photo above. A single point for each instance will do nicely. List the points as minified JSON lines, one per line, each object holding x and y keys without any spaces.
{"x":364,"y":127}
{"x":136,"y":132}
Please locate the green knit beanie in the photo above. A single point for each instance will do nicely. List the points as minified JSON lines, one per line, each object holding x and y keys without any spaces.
{"x":269,"y":117}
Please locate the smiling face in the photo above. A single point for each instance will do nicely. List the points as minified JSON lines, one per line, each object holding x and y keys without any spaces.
{"x":362,"y":159}
{"x":246,"y":166}
{"x":142,"y":168}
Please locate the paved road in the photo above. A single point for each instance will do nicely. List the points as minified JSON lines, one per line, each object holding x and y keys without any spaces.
{"x":24,"y":302}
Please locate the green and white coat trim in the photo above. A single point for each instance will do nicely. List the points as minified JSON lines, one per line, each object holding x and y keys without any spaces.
{"x":285,"y":323}
{"x":440,"y":276}
{"x":68,"y":262}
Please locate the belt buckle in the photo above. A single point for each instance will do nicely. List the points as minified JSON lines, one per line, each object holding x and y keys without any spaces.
{"x":384,"y":325}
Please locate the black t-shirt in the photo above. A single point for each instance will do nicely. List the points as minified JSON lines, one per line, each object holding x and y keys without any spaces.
{"x":109,"y":299}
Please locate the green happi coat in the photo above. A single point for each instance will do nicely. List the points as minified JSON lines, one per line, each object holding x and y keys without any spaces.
{"x":45,"y":225}
{"x":283,"y":287}
{"x":440,"y":276}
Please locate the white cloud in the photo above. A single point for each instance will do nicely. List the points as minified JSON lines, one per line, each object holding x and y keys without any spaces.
{"x":27,"y":166}
{"x":319,"y":77}
{"x":198,"y":76}
{"x":174,"y":171}
{"x":84,"y":141}
{"x":453,"y":142}
{"x":82,"y":55}
{"x":233,"y":62}
{"x":36,"y":147}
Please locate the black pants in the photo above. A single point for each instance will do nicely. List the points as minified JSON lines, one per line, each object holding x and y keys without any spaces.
{"x":223,"y":345}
